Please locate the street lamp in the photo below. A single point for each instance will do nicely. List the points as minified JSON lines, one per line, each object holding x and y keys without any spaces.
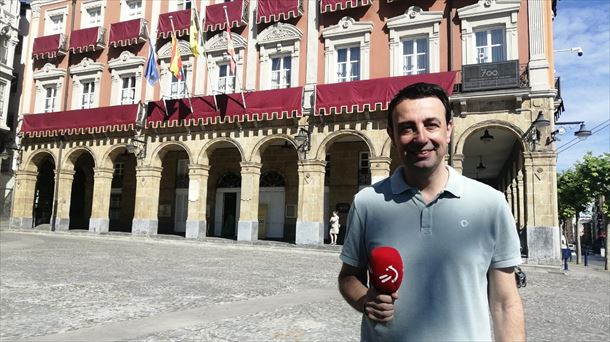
{"x":137,"y":147}
{"x":532,"y":135}
{"x":582,"y":133}
{"x":303,"y":140}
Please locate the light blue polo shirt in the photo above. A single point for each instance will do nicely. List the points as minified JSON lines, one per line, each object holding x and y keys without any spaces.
{"x":447,"y":247}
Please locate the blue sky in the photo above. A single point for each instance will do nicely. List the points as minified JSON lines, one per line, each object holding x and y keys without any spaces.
{"x":585,"y":81}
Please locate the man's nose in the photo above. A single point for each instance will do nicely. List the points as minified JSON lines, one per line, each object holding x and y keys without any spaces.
{"x":421,"y":135}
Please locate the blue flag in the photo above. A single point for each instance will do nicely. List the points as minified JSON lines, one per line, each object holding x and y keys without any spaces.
{"x":152,"y":72}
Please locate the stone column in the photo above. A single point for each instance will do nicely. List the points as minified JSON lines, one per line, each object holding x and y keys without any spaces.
{"x":64,"y":196}
{"x":196,"y":221}
{"x":247,"y":226}
{"x":380,"y":168}
{"x":310,"y":211}
{"x":145,"y":216}
{"x":102,"y":186}
{"x":23,"y":202}
{"x":458,"y":160}
{"x":543,"y":236}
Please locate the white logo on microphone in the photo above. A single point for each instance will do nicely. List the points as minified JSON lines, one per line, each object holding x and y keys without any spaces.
{"x":384,"y":277}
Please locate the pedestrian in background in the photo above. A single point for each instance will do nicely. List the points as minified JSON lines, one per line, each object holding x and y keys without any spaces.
{"x":456,"y":237}
{"x":334,"y":228}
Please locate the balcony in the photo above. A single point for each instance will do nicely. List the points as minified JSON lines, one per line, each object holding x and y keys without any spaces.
{"x":88,"y":39}
{"x":215,"y":19}
{"x":48,"y":47}
{"x":502,"y":80}
{"x":127,"y":33}
{"x":340,"y":5}
{"x":275,"y":10}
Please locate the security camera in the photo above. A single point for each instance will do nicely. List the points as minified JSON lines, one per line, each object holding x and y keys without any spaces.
{"x":579,"y":51}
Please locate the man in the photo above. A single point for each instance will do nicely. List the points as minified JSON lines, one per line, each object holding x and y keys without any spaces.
{"x":456,"y":236}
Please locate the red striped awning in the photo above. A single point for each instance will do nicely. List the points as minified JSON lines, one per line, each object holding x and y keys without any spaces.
{"x":215,"y":19}
{"x":80,"y":121}
{"x":181,"y":20}
{"x":260,"y":105}
{"x":372,"y":95}
{"x":340,"y":5}
{"x":127,"y":33}
{"x":49,"y":46}
{"x":276,"y":10}
{"x":88,"y":39}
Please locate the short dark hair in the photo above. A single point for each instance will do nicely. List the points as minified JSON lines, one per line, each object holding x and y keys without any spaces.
{"x":419,"y":91}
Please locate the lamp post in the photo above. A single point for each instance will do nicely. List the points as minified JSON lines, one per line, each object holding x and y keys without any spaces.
{"x":582,"y":133}
{"x":303,"y":139}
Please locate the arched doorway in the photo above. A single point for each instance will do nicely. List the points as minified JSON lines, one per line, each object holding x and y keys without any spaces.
{"x":43,"y":194}
{"x":271,"y":204}
{"x":81,"y":198}
{"x":347,"y":172}
{"x":226,"y":213}
{"x":123,"y":192}
{"x":173,"y":191}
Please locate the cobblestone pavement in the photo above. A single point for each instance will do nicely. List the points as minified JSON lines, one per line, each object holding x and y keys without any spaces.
{"x":81,"y":287}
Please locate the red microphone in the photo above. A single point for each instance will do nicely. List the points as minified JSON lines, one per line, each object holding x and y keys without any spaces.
{"x":385,"y":269}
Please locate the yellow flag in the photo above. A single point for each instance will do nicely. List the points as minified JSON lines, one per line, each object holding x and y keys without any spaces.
{"x":194,"y":39}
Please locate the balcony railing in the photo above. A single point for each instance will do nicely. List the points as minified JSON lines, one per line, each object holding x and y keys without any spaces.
{"x":523,"y":78}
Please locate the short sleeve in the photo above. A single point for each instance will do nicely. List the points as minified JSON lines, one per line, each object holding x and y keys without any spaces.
{"x":354,"y":250}
{"x":507,"y":252}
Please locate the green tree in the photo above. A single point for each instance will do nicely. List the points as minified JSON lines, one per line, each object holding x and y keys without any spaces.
{"x":573,"y":198}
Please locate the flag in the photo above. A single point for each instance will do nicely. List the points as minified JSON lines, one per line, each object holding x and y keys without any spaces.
{"x":231,"y":49}
{"x":175,"y":64}
{"x":152,"y":72}
{"x":194,"y":38}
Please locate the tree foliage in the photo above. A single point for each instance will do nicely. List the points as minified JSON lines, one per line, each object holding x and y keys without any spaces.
{"x":594,"y":172}
{"x":572,"y":194}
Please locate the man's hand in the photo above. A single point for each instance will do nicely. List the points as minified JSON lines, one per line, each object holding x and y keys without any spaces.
{"x":379,"y":307}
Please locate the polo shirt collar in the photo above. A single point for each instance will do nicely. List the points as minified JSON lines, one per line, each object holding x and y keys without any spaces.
{"x":398,"y":184}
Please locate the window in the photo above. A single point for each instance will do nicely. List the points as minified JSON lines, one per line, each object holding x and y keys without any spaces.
{"x":117,"y":177}
{"x":182,"y":173}
{"x":4,"y":49}
{"x":489,"y":32}
{"x":134,"y":9}
{"x":364,"y":169}
{"x":51,"y":96}
{"x":115,"y":204}
{"x":87,"y":100}
{"x":279,"y":48}
{"x":490,"y":46}
{"x":346,"y":50}
{"x":184,"y":4}
{"x":226,"y":81}
{"x":56,"y":24}
{"x":178,"y":88}
{"x":94,"y":16}
{"x":348,"y":64}
{"x":280,"y":72}
{"x":415,"y":56}
{"x":2,"y":94}
{"x":414,"y":42}
{"x":128,"y":91}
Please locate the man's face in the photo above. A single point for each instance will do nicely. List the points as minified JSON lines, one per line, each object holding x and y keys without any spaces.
{"x":421,"y":134}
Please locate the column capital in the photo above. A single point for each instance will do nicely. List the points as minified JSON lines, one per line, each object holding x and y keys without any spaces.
{"x":102,"y":172}
{"x":198,"y":169}
{"x":26,"y":174}
{"x":251,"y":167}
{"x":311,"y":165}
{"x":148,"y":171}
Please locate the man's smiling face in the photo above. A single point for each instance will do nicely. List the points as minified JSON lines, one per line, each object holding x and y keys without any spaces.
{"x":421,"y":134}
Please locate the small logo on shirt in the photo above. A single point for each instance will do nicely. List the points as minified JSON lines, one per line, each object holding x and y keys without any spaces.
{"x":464,"y":223}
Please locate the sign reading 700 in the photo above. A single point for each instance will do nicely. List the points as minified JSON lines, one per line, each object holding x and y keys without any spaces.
{"x":485,"y":76}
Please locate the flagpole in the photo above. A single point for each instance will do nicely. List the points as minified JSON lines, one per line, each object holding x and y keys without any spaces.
{"x":151,"y":47}
{"x":188,"y":92}
{"x":237,"y":79}
{"x":205,"y":56}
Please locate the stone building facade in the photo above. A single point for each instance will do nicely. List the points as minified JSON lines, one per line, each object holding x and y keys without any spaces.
{"x":301,"y":128}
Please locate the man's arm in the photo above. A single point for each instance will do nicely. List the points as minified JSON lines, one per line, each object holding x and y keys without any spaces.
{"x":352,"y":286}
{"x":505,"y":305}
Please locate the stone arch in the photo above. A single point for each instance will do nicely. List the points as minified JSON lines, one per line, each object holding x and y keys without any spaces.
{"x":159,"y":152}
{"x":206,"y":151}
{"x":74,"y":153}
{"x":111,"y":154}
{"x":321,"y":151}
{"x":461,"y":140}
{"x":260,"y":146}
{"x":35,"y":159}
{"x":387,"y":148}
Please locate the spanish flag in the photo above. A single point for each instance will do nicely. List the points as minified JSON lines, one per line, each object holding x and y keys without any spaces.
{"x":175,"y":64}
